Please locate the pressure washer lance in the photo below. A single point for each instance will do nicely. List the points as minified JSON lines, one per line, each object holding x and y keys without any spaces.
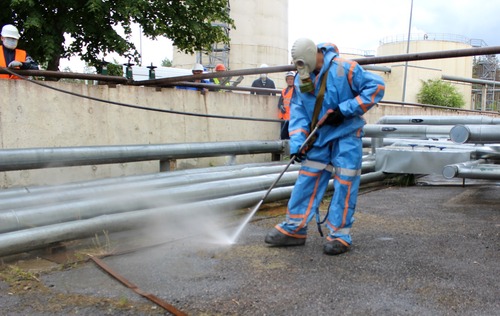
{"x":309,"y":140}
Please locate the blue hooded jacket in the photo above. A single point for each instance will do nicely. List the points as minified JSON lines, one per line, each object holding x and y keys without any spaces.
{"x":349,"y":88}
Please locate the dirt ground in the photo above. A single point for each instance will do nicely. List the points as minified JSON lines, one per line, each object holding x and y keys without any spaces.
{"x":429,"y":249}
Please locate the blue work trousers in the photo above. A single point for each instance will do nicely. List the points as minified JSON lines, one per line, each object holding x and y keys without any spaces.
{"x":345,"y":155}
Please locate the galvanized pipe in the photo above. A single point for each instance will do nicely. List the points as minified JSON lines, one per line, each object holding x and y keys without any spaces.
{"x":484,"y":171}
{"x":48,"y":208}
{"x":38,"y":237}
{"x":479,"y":134}
{"x":479,"y":171}
{"x":407,"y":131}
{"x":64,"y":193}
{"x":122,"y":201}
{"x":470,"y":80}
{"x":95,"y":191}
{"x":437,"y":120}
{"x":19,"y":191}
{"x":33,"y":158}
{"x":451,"y":171}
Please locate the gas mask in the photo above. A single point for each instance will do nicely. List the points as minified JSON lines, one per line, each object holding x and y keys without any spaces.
{"x":9,"y":42}
{"x":304,"y":57}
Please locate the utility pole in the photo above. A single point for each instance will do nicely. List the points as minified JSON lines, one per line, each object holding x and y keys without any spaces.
{"x":407,"y":51}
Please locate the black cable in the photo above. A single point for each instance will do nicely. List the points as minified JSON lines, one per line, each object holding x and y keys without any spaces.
{"x":143,"y":107}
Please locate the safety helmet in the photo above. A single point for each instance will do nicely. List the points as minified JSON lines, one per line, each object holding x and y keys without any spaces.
{"x":304,"y":53}
{"x":290,"y":74}
{"x":197,"y":67}
{"x":220,"y":67}
{"x":10,"y":30}
{"x":264,"y":66}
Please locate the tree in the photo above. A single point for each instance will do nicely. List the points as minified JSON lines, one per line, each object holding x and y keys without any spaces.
{"x":441,"y":93}
{"x":94,"y":26}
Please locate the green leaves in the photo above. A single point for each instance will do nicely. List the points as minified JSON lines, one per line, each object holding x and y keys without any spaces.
{"x":441,"y":93}
{"x":99,"y":27}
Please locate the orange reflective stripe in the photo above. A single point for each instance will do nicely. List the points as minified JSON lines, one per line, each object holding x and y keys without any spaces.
{"x":351,"y":73}
{"x":346,"y":201}
{"x":304,"y":217}
{"x":379,"y":88}
{"x":287,"y":233}
{"x":300,"y":130}
{"x":362,"y":105}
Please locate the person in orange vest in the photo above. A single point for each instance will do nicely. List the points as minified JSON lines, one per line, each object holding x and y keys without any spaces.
{"x":10,"y":55}
{"x":284,"y":104}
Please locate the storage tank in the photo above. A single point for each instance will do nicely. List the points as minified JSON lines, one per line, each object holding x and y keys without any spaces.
{"x":260,"y":37}
{"x":423,"y":70}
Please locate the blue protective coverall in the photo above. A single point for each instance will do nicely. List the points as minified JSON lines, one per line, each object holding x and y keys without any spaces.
{"x":353,"y":91}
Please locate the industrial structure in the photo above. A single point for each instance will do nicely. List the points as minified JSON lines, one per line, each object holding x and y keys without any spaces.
{"x":263,"y":39}
{"x":260,"y":37}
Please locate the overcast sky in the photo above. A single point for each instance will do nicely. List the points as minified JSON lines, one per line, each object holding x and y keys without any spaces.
{"x":361,"y":24}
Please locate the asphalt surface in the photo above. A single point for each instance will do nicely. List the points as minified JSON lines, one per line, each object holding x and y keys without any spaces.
{"x":429,"y":249}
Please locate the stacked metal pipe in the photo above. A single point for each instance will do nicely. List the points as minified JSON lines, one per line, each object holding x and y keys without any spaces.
{"x":463,"y":137}
{"x":32,"y":218}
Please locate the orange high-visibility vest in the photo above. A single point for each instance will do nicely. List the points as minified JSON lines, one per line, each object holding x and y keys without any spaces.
{"x":287,"y":97}
{"x":20,"y":55}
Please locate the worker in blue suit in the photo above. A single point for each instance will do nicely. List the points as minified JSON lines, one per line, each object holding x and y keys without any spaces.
{"x":338,"y":92}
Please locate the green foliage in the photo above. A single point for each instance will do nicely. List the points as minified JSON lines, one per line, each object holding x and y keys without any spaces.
{"x":166,"y":63}
{"x":100,"y":27}
{"x":441,"y":93}
{"x":115,"y":70}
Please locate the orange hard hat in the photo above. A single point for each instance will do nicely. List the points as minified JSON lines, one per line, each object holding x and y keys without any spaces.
{"x":220,"y":67}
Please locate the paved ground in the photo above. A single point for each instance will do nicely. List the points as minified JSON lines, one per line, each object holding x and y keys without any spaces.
{"x":430,"y":249}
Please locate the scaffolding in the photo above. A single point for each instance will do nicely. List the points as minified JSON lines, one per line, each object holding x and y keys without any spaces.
{"x":219,"y":53}
{"x":487,"y":70}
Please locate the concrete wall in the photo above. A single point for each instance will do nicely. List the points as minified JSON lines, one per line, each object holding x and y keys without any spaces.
{"x":34,"y":116}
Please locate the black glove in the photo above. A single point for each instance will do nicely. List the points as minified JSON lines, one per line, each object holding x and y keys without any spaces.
{"x":335,"y":118}
{"x":299,"y":157}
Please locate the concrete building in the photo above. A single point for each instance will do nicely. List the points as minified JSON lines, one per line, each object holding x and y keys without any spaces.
{"x":418,"y":71}
{"x":260,"y":37}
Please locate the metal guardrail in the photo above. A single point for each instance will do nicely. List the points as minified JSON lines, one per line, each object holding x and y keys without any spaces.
{"x":37,"y":158}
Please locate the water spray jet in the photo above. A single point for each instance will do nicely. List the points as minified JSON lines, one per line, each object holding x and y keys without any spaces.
{"x":292,"y":160}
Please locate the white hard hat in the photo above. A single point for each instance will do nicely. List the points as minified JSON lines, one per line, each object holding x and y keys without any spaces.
{"x":264,"y":66}
{"x":290,"y":74}
{"x":304,"y":53}
{"x":10,"y":30}
{"x":197,"y":67}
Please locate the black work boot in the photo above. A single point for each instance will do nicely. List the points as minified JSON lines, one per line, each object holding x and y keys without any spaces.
{"x":277,"y":238}
{"x":335,"y":247}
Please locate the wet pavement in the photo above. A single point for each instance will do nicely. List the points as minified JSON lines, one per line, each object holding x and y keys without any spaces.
{"x":429,"y":249}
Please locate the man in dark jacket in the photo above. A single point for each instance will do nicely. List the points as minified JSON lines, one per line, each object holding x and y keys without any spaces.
{"x":263,"y":82}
